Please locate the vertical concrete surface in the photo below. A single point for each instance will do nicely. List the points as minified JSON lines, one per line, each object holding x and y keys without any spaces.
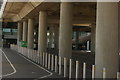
{"x":42,"y":38}
{"x":30,"y":34}
{"x":65,"y":39}
{"x":119,"y":32}
{"x":107,"y":39}
{"x":77,"y":39}
{"x":19,"y":33}
{"x":25,"y":30}
{"x":56,"y":37}
{"x":1,"y":46}
{"x":93,"y":35}
{"x":51,"y":36}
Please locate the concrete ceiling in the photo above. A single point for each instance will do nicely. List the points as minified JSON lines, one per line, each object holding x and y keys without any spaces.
{"x":84,"y":12}
{"x":12,"y":8}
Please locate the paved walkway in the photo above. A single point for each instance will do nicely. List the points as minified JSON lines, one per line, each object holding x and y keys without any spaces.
{"x":17,"y":66}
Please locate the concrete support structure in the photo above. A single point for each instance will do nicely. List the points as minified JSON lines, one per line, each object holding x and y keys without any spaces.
{"x":19,"y":34}
{"x":56,"y":37}
{"x":30,"y":33}
{"x":65,"y":39}
{"x":93,"y":37}
{"x":51,"y":36}
{"x":42,"y":37}
{"x":25,"y":30}
{"x":119,"y":33}
{"x":107,"y":39}
{"x":77,"y":39}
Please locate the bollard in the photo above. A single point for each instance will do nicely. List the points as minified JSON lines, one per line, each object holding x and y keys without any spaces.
{"x":32,"y":55}
{"x":43,"y":59}
{"x":28,"y":53}
{"x":49,"y":61}
{"x":46,"y":61}
{"x":52,"y":63}
{"x":60,"y":66}
{"x":36,"y":56}
{"x":65,"y":67}
{"x":56,"y":64}
{"x":104,"y":73}
{"x":70,"y":68}
{"x":19,"y":49}
{"x":84,"y":71}
{"x":118,"y":75}
{"x":93,"y":72}
{"x":25,"y":52}
{"x":22,"y":50}
{"x":77,"y":69}
{"x":37,"y":59}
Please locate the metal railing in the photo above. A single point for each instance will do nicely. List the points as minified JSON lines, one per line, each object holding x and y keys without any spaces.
{"x":58,"y":64}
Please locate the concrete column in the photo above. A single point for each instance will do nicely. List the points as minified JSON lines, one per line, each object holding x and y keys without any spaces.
{"x":25,"y":30}
{"x":19,"y":33}
{"x":65,"y":40}
{"x":93,"y":35}
{"x":56,"y":37}
{"x":119,"y":33}
{"x":30,"y":33}
{"x":107,"y":39}
{"x":42,"y":38}
{"x":77,"y":39}
{"x":51,"y":36}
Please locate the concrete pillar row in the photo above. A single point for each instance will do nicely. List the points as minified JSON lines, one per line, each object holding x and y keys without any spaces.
{"x":56,"y":37}
{"x":65,"y":39}
{"x":42,"y":37}
{"x":77,"y":39}
{"x":51,"y":36}
{"x":30,"y":34}
{"x":25,"y":30}
{"x":93,"y":39}
{"x":107,"y":39}
{"x":19,"y":33}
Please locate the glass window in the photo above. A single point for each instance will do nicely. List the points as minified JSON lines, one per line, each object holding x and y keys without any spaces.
{"x":6,"y":30}
{"x":14,"y":30}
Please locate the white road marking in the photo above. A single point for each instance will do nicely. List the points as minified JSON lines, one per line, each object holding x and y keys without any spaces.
{"x":14,"y":70}
{"x":50,"y":73}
